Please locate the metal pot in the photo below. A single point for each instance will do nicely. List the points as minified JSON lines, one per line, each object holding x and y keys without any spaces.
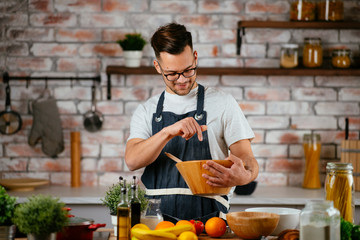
{"x":79,"y":228}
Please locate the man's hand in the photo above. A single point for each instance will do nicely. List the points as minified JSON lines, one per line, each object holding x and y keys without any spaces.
{"x":237,"y":174}
{"x":186,"y":128}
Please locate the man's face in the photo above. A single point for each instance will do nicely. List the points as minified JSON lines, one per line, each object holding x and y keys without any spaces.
{"x":172,"y":64}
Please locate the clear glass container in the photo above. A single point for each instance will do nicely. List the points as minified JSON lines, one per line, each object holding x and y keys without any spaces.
{"x":152,"y":215}
{"x":302,"y":10}
{"x":319,"y":220}
{"x":312,"y":149}
{"x":339,"y":188}
{"x":330,"y":10}
{"x":312,"y":53}
{"x":341,"y":58}
{"x":289,"y":55}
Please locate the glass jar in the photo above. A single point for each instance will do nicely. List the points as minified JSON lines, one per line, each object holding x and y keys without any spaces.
{"x":319,"y":220}
{"x":312,"y":148}
{"x":302,"y":10}
{"x":339,"y":188}
{"x":341,"y":58}
{"x":152,"y":216}
{"x":312,"y":53}
{"x":289,"y":55}
{"x":330,"y":10}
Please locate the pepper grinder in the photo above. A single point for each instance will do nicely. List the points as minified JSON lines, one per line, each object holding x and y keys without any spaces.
{"x":75,"y":159}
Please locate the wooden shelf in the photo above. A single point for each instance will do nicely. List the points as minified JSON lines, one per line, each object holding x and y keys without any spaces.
{"x":318,"y":25}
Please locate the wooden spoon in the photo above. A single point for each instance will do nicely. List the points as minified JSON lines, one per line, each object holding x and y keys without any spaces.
{"x":178,"y":160}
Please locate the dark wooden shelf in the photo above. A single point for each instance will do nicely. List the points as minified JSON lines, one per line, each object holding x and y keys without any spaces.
{"x":242,"y":71}
{"x":294,"y":24}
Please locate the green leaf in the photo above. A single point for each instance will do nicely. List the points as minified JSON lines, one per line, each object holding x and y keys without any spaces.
{"x":133,"y":41}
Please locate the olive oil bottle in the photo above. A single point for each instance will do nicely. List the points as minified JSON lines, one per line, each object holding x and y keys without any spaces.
{"x":123,"y":215}
{"x":134,"y":204}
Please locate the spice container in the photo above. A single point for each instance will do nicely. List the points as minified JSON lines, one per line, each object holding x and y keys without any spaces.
{"x":312,"y":148}
{"x":339,"y":188}
{"x":319,"y":220}
{"x":330,"y":10}
{"x":289,"y":56}
{"x":302,"y":10}
{"x":312,"y":53}
{"x":341,"y":58}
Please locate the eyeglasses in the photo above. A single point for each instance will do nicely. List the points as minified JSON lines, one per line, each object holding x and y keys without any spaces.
{"x":188,"y":73}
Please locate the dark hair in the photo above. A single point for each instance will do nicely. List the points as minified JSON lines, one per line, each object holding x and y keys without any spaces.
{"x":171,"y":38}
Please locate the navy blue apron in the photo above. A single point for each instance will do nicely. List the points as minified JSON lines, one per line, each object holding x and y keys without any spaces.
{"x":163,"y":174}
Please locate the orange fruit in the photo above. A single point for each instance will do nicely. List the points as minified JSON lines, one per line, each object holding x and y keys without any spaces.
{"x":215,"y":227}
{"x":182,"y":222}
{"x":187,"y":235}
{"x":164,"y":224}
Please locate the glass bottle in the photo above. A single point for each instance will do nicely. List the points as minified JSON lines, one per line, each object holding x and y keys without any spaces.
{"x":312,"y":53}
{"x":123,"y":216}
{"x":302,"y":10}
{"x":339,"y":188}
{"x":319,"y":220}
{"x":330,"y":10}
{"x":341,"y":58}
{"x":289,"y":56}
{"x":134,"y":204}
{"x":312,"y":148}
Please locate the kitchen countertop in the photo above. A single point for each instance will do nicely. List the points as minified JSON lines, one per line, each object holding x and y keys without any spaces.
{"x":263,"y":195}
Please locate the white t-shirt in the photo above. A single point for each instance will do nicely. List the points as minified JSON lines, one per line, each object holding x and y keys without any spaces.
{"x":226,"y":123}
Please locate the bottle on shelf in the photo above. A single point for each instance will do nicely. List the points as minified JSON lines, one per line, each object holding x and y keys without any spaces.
{"x":123,"y":215}
{"x":330,"y":10}
{"x":312,"y":148}
{"x":302,"y":10}
{"x":134,"y":204}
{"x":312,"y":53}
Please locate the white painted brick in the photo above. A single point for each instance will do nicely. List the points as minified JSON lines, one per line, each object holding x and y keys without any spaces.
{"x":194,"y":21}
{"x":66,"y":107}
{"x":285,"y":108}
{"x":272,"y":179}
{"x":220,"y":62}
{"x":252,"y":107}
{"x":284,"y":136}
{"x":102,"y":20}
{"x":219,"y":6}
{"x":29,"y":33}
{"x":113,"y":150}
{"x":268,"y":122}
{"x":90,"y":150}
{"x":253,"y":50}
{"x":68,"y":93}
{"x":327,"y":36}
{"x":296,"y":151}
{"x":14,"y":164}
{"x":313,"y":122}
{"x":53,"y":49}
{"x":264,"y":63}
{"x":269,"y":150}
{"x":266,"y":35}
{"x":89,"y":164}
{"x":209,"y":81}
{"x":350,"y":36}
{"x":243,"y":80}
{"x":183,"y":7}
{"x":342,"y":81}
{"x":349,"y":94}
{"x":77,"y":6}
{"x":103,"y":137}
{"x":314,"y":94}
{"x":255,"y":93}
{"x":53,"y":20}
{"x":236,"y":92}
{"x":337,"y":108}
{"x":207,"y":50}
{"x":291,"y":81}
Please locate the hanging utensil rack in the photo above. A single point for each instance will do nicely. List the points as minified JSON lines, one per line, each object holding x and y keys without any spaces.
{"x":7,"y":78}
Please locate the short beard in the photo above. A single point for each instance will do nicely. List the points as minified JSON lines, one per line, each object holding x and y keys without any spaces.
{"x":176,"y":92}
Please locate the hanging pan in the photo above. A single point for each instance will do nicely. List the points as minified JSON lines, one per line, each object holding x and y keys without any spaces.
{"x":10,"y":121}
{"x":93,"y":119}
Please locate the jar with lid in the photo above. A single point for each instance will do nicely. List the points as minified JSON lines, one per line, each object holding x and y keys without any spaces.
{"x":319,"y":220}
{"x":312,"y":148}
{"x":302,"y":10}
{"x":341,"y":58}
{"x":289,"y":55}
{"x":330,"y":10}
{"x":339,"y":188}
{"x":312,"y":53}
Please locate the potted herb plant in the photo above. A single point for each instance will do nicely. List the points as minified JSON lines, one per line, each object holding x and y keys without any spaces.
{"x":41,"y":217}
{"x":7,"y":207}
{"x":112,"y":199}
{"x":132,"y":45}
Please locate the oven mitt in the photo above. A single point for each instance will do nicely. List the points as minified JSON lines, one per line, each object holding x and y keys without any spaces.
{"x":47,"y":127}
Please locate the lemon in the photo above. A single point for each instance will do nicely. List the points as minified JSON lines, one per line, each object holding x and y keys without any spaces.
{"x":187,"y":235}
{"x":141,"y":225}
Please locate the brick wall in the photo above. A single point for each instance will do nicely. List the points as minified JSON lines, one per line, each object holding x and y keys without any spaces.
{"x":77,"y":38}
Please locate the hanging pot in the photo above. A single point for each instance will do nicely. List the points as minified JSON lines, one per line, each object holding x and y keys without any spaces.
{"x":79,"y":228}
{"x":93,"y":119}
{"x":10,"y":121}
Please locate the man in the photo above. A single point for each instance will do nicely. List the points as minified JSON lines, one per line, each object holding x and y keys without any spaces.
{"x":192,"y":123}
